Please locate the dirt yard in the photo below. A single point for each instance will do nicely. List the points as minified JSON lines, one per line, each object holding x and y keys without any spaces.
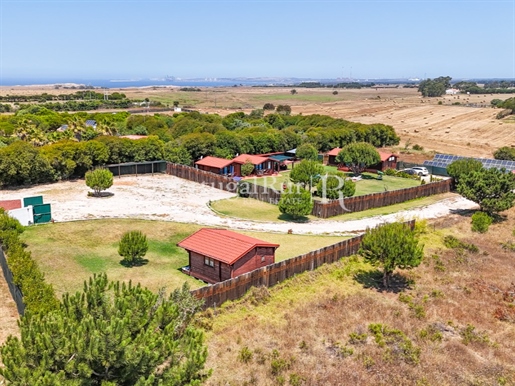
{"x":167,"y":198}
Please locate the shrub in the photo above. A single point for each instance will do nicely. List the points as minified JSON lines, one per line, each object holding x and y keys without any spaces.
{"x":454,"y":243}
{"x":417,"y":147}
{"x":245,"y":355}
{"x":133,"y":247}
{"x":247,"y":168}
{"x":390,"y":172}
{"x":481,"y":221}
{"x":38,"y":296}
{"x":99,"y":179}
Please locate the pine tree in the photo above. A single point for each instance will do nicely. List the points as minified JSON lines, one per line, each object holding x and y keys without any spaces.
{"x":111,"y":333}
{"x":391,"y":246}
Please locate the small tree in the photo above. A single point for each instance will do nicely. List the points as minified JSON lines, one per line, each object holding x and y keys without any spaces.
{"x":331,"y":185}
{"x":491,"y":188}
{"x":283,"y":109}
{"x":358,"y":156}
{"x":293,"y":92}
{"x":307,"y":172}
{"x":461,"y":167}
{"x":268,"y":106}
{"x":98,"y":180}
{"x":307,"y":151}
{"x":133,"y":247}
{"x":247,"y":168}
{"x":296,"y":202}
{"x":391,"y":246}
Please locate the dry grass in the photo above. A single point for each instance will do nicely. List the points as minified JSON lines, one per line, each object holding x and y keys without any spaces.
{"x":448,"y":312}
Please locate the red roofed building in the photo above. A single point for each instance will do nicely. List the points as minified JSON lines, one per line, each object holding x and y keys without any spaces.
{"x":262,"y":165}
{"x":216,"y":165}
{"x":10,"y":204}
{"x":217,"y":254}
{"x":388,"y":160}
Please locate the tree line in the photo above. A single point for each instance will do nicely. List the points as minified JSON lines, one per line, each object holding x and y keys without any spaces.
{"x":31,"y":151}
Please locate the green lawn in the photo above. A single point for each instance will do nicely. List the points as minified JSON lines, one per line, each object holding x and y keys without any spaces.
{"x":250,"y":209}
{"x":369,"y":184}
{"x":69,"y":253}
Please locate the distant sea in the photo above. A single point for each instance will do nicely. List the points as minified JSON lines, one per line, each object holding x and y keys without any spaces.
{"x":124,"y":83}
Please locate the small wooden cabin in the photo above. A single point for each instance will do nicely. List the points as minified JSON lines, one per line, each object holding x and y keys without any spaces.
{"x":216,"y":255}
{"x":216,"y":165}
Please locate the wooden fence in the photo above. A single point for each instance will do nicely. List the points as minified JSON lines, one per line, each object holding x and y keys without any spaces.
{"x":377,"y":200}
{"x":320,"y":209}
{"x":13,"y":288}
{"x":268,"y":276}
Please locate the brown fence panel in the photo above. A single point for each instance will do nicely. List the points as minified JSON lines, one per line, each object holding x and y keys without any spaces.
{"x":322,"y":210}
{"x":268,"y":276}
{"x":377,"y":200}
{"x":13,"y":288}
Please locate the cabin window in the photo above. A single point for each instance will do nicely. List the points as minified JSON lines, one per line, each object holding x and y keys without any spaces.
{"x":262,"y":259}
{"x":391,"y":159}
{"x":209,"y":261}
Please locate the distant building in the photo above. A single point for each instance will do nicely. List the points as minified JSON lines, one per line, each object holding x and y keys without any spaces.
{"x":388,"y":160}
{"x":216,"y":255}
{"x":452,"y":91}
{"x":91,"y":123}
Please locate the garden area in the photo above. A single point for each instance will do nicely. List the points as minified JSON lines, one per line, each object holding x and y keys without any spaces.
{"x":251,"y":209}
{"x":95,"y":250}
{"x":368,"y":184}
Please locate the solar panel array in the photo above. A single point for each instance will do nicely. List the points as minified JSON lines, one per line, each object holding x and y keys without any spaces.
{"x":443,"y":160}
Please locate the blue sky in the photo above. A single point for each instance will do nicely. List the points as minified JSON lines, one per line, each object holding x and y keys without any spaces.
{"x":307,"y":39}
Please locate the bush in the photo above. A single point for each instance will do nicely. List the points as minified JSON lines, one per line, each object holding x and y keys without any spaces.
{"x":247,"y":168}
{"x":38,"y":296}
{"x":133,"y":247}
{"x":99,"y":179}
{"x":481,"y":221}
{"x":390,"y":172}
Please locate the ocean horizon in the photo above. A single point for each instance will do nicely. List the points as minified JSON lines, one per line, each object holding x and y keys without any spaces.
{"x":126,"y":83}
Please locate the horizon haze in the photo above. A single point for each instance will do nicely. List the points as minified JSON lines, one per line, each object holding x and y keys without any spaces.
{"x":66,"y":39}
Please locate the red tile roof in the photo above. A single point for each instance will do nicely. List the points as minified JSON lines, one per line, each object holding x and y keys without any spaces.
{"x":222,"y":245}
{"x":335,"y":151}
{"x":384,"y":156}
{"x":255,"y":159}
{"x":10,"y":204}
{"x":214,"y":162}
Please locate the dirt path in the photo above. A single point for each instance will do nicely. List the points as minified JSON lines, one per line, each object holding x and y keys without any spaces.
{"x":168,"y":198}
{"x":8,"y":312}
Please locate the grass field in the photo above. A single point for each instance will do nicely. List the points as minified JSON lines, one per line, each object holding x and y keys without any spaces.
{"x":69,"y":253}
{"x":250,"y":209}
{"x":368,"y":185}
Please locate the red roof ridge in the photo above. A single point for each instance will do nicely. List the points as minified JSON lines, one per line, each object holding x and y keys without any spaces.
{"x":243,"y":244}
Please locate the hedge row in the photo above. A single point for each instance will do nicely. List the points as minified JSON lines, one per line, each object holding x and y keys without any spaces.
{"x":38,"y":296}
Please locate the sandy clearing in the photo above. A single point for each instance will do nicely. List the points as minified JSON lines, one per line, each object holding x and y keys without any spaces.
{"x":167,"y":198}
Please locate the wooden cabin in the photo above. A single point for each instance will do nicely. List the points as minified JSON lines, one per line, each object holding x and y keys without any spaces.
{"x":216,"y":255}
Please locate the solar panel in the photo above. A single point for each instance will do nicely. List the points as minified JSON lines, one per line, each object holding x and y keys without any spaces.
{"x":443,"y":160}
